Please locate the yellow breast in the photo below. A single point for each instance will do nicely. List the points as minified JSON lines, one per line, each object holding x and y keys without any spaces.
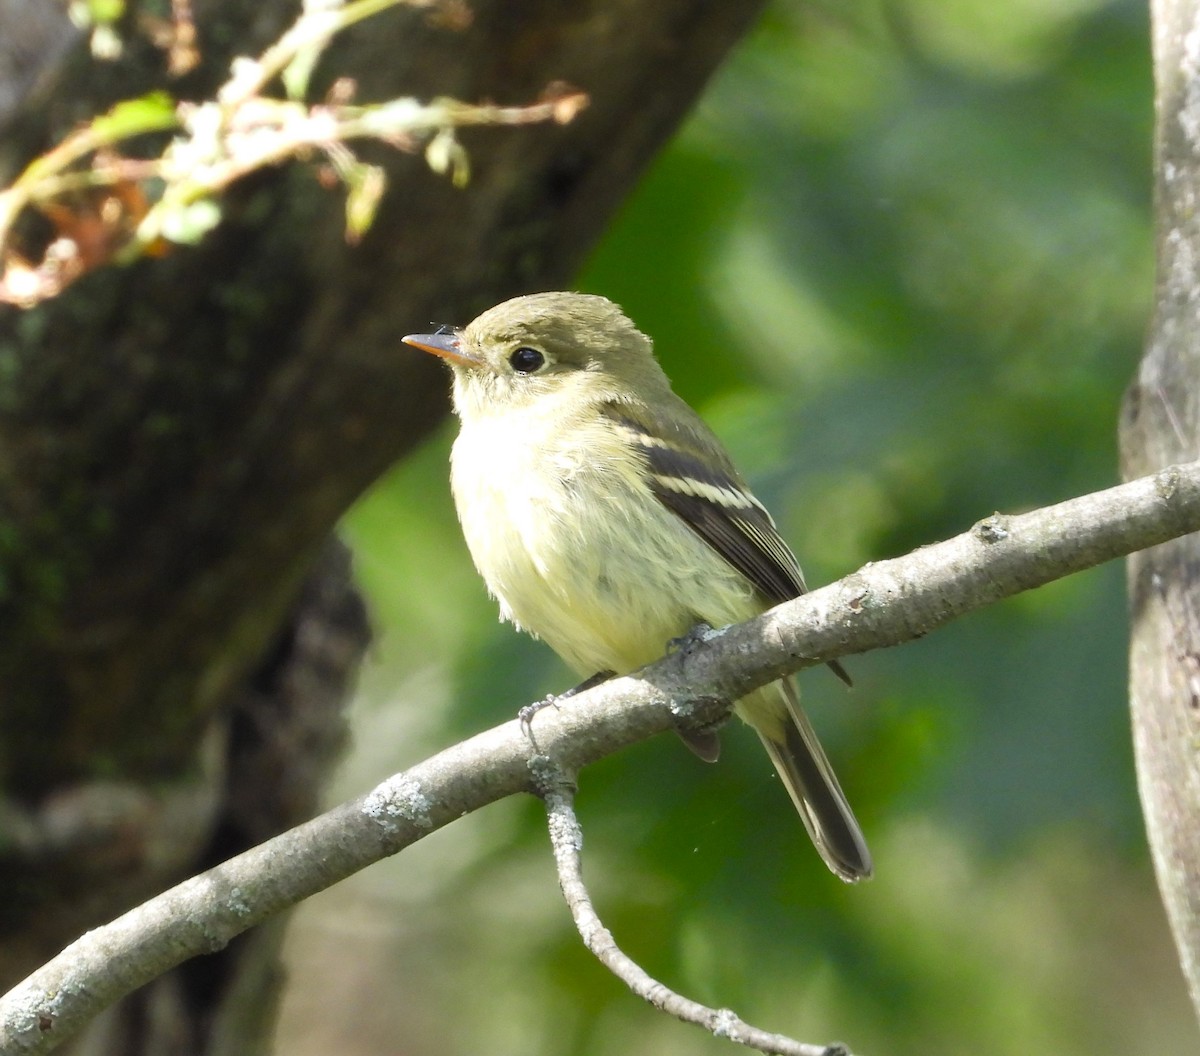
{"x":569,"y":538}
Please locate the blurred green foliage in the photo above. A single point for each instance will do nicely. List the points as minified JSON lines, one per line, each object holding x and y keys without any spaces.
{"x":901,"y":259}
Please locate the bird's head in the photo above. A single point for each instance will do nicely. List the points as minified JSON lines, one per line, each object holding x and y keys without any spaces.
{"x":532,"y":348}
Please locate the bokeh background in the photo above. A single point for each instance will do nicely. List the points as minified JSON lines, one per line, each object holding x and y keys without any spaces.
{"x":901,"y":259}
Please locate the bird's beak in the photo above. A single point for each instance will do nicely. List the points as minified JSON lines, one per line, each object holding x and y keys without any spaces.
{"x":448,"y":346}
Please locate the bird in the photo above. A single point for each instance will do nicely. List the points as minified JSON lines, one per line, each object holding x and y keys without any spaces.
{"x":608,"y":520}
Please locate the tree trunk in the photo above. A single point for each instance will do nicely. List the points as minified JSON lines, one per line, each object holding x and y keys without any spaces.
{"x":1161,"y":425}
{"x":179,"y":437}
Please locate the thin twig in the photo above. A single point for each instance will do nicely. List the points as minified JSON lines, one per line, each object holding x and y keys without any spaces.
{"x":566,"y":837}
{"x":314,"y":27}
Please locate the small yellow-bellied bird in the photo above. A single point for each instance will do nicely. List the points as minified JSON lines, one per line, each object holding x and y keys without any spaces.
{"x":607,"y":519}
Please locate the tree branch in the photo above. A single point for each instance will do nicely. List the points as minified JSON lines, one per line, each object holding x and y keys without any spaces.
{"x":566,"y":837}
{"x":884,"y":603}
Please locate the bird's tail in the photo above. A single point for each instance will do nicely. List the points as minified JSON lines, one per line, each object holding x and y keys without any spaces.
{"x":791,"y":742}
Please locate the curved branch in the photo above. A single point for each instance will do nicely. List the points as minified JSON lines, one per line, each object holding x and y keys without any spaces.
{"x":884,"y":603}
{"x":566,"y":837}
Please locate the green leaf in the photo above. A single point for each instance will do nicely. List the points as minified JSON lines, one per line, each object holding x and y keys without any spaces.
{"x":190,"y":222}
{"x":445,"y":154}
{"x":153,"y":112}
{"x":297,"y":73}
{"x":365,"y":184}
{"x":105,"y":11}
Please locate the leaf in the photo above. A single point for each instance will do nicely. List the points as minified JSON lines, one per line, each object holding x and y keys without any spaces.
{"x":153,"y":112}
{"x":365,"y":185}
{"x":445,"y":154}
{"x":104,"y":11}
{"x":297,"y":73}
{"x":190,"y":222}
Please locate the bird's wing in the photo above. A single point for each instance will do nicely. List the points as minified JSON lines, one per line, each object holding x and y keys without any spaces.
{"x":696,"y":481}
{"x":703,"y":489}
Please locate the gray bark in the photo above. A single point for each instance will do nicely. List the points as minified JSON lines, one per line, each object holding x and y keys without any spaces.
{"x":1160,"y":425}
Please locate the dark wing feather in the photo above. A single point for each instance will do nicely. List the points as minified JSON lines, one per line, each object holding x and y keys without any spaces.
{"x":744,"y":535}
{"x":697,"y":482}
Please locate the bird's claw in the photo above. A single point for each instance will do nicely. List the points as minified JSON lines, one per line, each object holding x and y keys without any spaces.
{"x":550,"y":700}
{"x":526,"y":714}
{"x":693,"y":637}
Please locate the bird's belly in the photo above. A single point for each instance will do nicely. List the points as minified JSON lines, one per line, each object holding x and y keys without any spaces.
{"x":588,"y":560}
{"x":595,"y":615}
{"x":600,"y":603}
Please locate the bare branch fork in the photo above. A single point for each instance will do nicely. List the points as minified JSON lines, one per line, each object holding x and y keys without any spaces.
{"x":884,"y":603}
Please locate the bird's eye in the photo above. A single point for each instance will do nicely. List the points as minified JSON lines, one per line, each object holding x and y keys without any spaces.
{"x":526,"y":360}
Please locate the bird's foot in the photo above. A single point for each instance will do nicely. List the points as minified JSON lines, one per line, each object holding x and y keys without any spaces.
{"x":550,"y":700}
{"x":692,"y":638}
